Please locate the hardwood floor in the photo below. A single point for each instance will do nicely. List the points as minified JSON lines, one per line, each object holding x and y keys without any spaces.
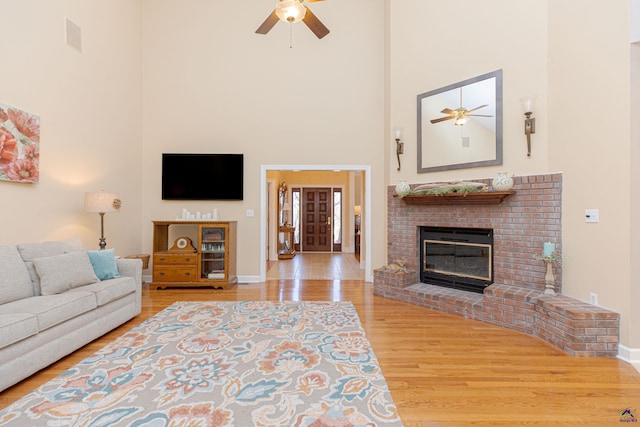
{"x":442,"y":370}
{"x":317,"y":265}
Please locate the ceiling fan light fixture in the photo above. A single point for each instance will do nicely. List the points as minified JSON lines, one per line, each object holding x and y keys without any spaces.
{"x":290,"y":11}
{"x":460,"y":121}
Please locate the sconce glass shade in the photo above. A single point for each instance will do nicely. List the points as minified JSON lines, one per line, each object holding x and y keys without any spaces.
{"x":101,"y":202}
{"x":397,"y":132}
{"x":527,"y":103}
{"x":357,"y":210}
{"x":290,"y":11}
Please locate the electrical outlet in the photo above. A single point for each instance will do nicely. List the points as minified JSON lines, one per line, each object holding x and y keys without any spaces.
{"x":593,"y":298}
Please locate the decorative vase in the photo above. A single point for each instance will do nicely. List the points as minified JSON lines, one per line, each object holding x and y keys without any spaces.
{"x":502,"y":182}
{"x":402,"y":188}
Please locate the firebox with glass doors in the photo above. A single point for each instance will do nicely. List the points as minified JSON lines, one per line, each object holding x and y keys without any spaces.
{"x":458,"y":258}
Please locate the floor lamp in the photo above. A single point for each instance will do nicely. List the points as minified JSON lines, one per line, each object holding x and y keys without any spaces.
{"x":102,"y":203}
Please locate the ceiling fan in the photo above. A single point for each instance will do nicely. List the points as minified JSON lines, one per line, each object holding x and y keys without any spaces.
{"x":460,"y":114}
{"x":294,"y":11}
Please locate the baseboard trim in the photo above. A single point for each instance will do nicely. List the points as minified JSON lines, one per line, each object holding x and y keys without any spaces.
{"x":629,"y":355}
{"x":248,"y":279}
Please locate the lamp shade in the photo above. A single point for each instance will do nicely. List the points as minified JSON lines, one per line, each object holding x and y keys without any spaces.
{"x":290,"y":10}
{"x":101,"y":202}
{"x":357,"y":210}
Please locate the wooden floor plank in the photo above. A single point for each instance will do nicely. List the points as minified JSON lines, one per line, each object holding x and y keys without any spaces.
{"x":442,"y":370}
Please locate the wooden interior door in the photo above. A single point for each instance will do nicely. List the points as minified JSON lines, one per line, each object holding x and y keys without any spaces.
{"x":316,"y":219}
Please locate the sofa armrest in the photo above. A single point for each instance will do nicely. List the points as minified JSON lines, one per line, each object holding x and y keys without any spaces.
{"x":132,"y":267}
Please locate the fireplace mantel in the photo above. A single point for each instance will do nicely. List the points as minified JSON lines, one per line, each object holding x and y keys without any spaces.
{"x":479,"y":198}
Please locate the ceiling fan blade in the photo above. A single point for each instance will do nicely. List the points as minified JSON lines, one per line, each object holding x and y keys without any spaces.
{"x":442,"y":119}
{"x":477,"y":108}
{"x":314,"y":24}
{"x":268,"y":23}
{"x":478,"y":115}
{"x":448,"y":111}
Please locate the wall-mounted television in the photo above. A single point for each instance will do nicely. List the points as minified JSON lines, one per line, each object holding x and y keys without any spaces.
{"x":202,"y":176}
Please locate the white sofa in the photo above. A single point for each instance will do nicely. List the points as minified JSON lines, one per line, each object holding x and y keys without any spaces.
{"x":52,"y":302}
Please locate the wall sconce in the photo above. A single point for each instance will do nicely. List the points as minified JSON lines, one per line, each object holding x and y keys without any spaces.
{"x":399,"y":145}
{"x":529,"y":122}
{"x":102,"y":203}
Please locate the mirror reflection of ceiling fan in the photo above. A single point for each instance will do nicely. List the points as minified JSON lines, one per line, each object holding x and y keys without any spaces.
{"x":294,"y":11}
{"x":460,"y":114}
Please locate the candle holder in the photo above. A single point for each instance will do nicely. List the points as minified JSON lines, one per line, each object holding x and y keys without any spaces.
{"x":549,"y":279}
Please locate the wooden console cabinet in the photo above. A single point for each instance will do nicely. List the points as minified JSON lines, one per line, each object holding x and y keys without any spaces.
{"x":208,"y":261}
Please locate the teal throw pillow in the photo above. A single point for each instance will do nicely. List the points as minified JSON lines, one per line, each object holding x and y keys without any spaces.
{"x":104,"y":264}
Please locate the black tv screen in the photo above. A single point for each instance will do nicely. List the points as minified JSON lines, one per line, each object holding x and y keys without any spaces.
{"x":202,"y":176}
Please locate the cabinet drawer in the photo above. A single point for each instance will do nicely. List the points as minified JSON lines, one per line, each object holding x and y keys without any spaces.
{"x":175,"y":259}
{"x":175,"y":274}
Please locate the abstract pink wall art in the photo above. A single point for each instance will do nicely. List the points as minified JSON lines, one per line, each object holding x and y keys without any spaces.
{"x":19,"y":145}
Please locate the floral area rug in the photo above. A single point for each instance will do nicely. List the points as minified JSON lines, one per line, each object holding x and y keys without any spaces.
{"x":198,"y":364}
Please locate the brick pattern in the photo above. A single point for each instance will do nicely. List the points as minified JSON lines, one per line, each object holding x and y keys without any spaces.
{"x":516,"y":301}
{"x":576,"y":327}
{"x":521,"y":224}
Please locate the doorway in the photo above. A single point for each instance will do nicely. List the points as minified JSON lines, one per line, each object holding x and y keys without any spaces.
{"x":360,"y":179}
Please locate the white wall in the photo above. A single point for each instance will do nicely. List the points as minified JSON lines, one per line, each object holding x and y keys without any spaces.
{"x":89,"y":105}
{"x":635,"y":21}
{"x":574,"y":55}
{"x":634,"y":253}
{"x":212,"y":85}
{"x":590,"y":123}
{"x":435,"y":43}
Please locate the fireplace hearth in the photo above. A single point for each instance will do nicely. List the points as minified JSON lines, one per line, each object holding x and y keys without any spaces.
{"x":515,"y":300}
{"x":458,"y":258}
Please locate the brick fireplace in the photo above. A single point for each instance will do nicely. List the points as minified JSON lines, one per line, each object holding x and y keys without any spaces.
{"x":521,"y":223}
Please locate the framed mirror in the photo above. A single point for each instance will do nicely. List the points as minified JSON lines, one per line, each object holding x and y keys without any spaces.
{"x":460,"y":125}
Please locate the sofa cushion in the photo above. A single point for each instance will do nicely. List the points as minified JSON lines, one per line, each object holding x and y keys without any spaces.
{"x":30,"y":251}
{"x":104,"y":264}
{"x":15,"y":282}
{"x":51,"y":310}
{"x":16,"y":327}
{"x":59,"y":273}
{"x":109,"y":290}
